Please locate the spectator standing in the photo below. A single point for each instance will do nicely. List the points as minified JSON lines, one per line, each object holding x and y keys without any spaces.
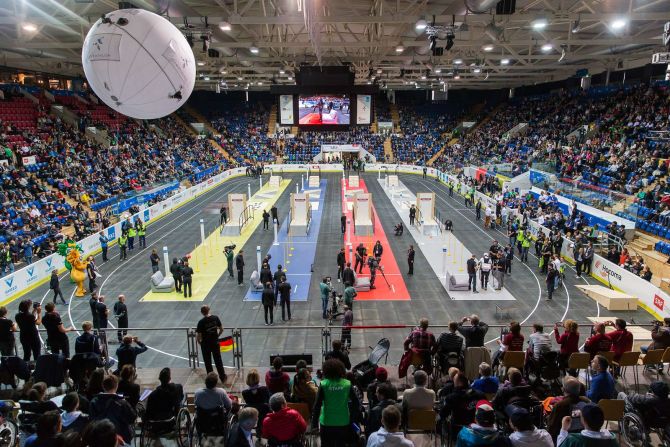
{"x":155,"y":259}
{"x":104,"y":243}
{"x":269,"y":303}
{"x":569,"y":340}
{"x":121,"y":315}
{"x":56,"y":331}
{"x":27,"y":320}
{"x":473,"y":333}
{"x":7,"y":329}
{"x":91,"y":273}
{"x":622,"y":339}
{"x":239,"y":265}
{"x":208,"y":331}
{"x":284,"y":290}
{"x":598,"y":342}
{"x":126,"y":354}
{"x":339,"y":354}
{"x":175,"y":270}
{"x":187,"y":279}
{"x":472,"y":267}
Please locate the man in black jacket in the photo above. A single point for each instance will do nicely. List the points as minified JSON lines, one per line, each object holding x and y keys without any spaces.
{"x":93,"y":303}
{"x":341,"y":258}
{"x":175,"y":269}
{"x":348,"y":275}
{"x":474,"y":333}
{"x":266,"y":220}
{"x":343,"y":223}
{"x":54,"y":284}
{"x":385,"y":397}
{"x":109,"y":405}
{"x":239,"y":265}
{"x":121,"y":315}
{"x":269,"y":302}
{"x":165,"y":401}
{"x":285,"y":297}
{"x":187,"y":279}
{"x":127,"y":353}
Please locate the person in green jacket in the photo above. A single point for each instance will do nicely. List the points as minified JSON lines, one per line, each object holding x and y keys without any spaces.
{"x":593,"y":418}
{"x":349,"y":295}
{"x":335,"y":409}
{"x":123,"y":243}
{"x":132,"y":232}
{"x":326,"y":289}
{"x":141,"y":233}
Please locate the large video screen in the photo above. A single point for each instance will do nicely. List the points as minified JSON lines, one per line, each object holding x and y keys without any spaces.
{"x":322,"y":109}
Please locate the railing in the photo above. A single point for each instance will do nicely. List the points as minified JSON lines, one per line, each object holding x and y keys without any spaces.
{"x":246,"y":215}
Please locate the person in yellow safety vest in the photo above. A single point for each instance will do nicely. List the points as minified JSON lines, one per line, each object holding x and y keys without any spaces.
{"x":525,"y":246}
{"x":141,"y":232}
{"x":132,"y":232}
{"x":519,"y":240}
{"x":123,"y":243}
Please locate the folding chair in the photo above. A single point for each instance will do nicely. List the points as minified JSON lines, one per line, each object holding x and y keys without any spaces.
{"x":579,"y":361}
{"x":512,"y":359}
{"x":609,"y":355}
{"x":613,"y":410}
{"x":627,"y":359}
{"x":651,"y":358}
{"x":422,"y":422}
{"x":666,"y":358}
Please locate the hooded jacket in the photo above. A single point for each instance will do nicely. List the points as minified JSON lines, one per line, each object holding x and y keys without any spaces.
{"x":476,"y":435}
{"x":384,"y":438}
{"x":531,"y":438}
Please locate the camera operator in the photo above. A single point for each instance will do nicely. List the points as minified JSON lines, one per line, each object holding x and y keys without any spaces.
{"x":326,"y":289}
{"x":230,"y":257}
{"x":28,"y":319}
{"x":660,"y":336}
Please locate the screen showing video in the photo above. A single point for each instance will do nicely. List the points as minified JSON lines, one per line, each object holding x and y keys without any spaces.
{"x":323,"y":109}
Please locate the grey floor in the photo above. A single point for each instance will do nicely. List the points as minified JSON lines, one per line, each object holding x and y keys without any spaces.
{"x":303,"y":334}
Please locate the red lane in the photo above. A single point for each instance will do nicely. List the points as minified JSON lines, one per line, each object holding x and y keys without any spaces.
{"x":397,"y":291}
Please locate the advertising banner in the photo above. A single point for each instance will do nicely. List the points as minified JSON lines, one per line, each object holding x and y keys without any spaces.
{"x":363,"y":109}
{"x":286,"y":110}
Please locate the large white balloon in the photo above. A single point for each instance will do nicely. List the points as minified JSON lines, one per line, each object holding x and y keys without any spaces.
{"x":138,"y":63}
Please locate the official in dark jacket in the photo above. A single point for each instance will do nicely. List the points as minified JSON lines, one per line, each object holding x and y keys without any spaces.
{"x":54,"y":284}
{"x":175,"y":269}
{"x":269,"y":302}
{"x":187,"y":280}
{"x":239,"y":265}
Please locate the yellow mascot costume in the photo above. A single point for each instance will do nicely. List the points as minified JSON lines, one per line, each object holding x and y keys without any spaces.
{"x":75,"y":264}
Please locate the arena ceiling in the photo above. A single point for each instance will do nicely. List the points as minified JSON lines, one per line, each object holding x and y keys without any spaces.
{"x":261,"y":42}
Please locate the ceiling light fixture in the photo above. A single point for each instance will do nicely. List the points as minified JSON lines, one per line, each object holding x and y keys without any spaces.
{"x":200,"y":63}
{"x":547,"y":47}
{"x":421,"y":25}
{"x":281,"y":72}
{"x":254,"y":50}
{"x":379,"y":71}
{"x":399,"y":49}
{"x":457,"y":77}
{"x":438,"y":70}
{"x":240,"y":78}
{"x":423,"y":77}
{"x":618,"y":24}
{"x":504,"y":61}
{"x":488,"y":47}
{"x":223,"y":71}
{"x":225,"y":26}
{"x":477,"y":70}
{"x":458,"y":61}
{"x":30,"y":27}
{"x":539,"y":24}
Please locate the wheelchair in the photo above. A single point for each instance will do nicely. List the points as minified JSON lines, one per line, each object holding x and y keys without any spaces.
{"x":9,"y":430}
{"x":637,"y":434}
{"x":214,"y":422}
{"x":443,"y":361}
{"x":177,"y":427}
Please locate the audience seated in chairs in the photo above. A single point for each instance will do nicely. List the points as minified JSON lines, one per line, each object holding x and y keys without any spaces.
{"x":48,"y":431}
{"x":257,"y":396}
{"x":513,"y":390}
{"x":573,"y":399}
{"x":37,"y":397}
{"x":389,"y":434}
{"x":212,"y":396}
{"x":72,"y":418}
{"x":127,"y":386}
{"x":602,"y":382}
{"x":487,"y":382}
{"x":593,"y":434}
{"x":419,"y":397}
{"x":483,"y":431}
{"x":458,"y":407}
{"x":101,"y":433}
{"x":94,"y":384}
{"x":241,"y":433}
{"x":284,"y":425}
{"x":525,"y":433}
{"x":303,"y":388}
{"x":386,"y":395}
{"x":276,"y":379}
{"x":109,"y":405}
{"x":653,"y":407}
{"x":448,"y":385}
{"x":381,"y":376}
{"x":165,"y":401}
{"x":449,"y":348}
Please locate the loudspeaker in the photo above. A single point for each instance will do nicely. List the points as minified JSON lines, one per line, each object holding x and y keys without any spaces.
{"x":506,"y":7}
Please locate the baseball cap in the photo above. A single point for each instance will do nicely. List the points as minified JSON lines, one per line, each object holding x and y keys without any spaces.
{"x":593,"y":416}
{"x":484,"y":414}
{"x":517,"y":415}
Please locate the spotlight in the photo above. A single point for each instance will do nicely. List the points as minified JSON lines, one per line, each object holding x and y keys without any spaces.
{"x":206,"y":78}
{"x":423,"y":77}
{"x":504,"y":61}
{"x":281,"y":72}
{"x":539,"y":24}
{"x":399,"y":49}
{"x":438,"y":70}
{"x":225,"y":26}
{"x":30,"y":27}
{"x":477,"y":70}
{"x":421,"y":25}
{"x":547,"y":47}
{"x":618,"y":24}
{"x":450,"y":43}
{"x":240,"y":78}
{"x":488,"y":47}
{"x":458,"y":61}
{"x":200,"y":63}
{"x":379,"y":71}
{"x":254,"y":50}
{"x":457,"y":76}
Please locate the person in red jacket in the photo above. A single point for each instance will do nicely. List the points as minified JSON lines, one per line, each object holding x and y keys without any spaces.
{"x":276,"y":379}
{"x":569,"y":340}
{"x":622,"y":340}
{"x":598,"y":342}
{"x":283,"y":424}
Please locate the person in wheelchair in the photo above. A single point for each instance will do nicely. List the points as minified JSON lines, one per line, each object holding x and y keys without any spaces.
{"x":449,"y":348}
{"x":422,"y":341}
{"x":284,"y":426}
{"x":399,"y":229}
{"x":652,"y":407}
{"x":212,"y":397}
{"x":165,"y":401}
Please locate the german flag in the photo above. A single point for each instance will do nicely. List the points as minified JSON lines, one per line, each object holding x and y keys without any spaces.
{"x":226,"y":344}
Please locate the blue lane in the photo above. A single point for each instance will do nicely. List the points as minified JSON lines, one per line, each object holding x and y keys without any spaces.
{"x":297,"y":254}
